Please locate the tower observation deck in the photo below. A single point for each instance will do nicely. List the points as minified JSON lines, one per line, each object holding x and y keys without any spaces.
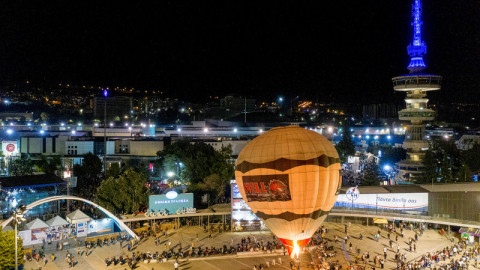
{"x":416,"y":85}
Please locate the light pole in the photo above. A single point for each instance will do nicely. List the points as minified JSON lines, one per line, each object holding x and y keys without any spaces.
{"x":105,"y":94}
{"x":18,"y":218}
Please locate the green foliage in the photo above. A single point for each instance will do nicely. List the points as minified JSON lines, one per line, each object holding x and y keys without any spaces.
{"x":370,"y":174}
{"x":114,"y":171}
{"x":7,"y":250}
{"x":345,"y":147}
{"x":444,"y":163}
{"x":213,"y":185}
{"x":430,"y":172}
{"x":471,"y":158}
{"x":49,"y":166}
{"x":88,"y":175}
{"x":20,"y":166}
{"x":200,"y":163}
{"x":44,"y":116}
{"x":125,"y":193}
{"x":464,"y":174}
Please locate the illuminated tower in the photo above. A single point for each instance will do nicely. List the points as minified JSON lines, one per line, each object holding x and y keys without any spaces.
{"x":416,"y":84}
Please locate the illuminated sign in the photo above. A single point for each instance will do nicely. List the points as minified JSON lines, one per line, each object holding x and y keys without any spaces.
{"x":9,"y":148}
{"x":414,"y":203}
{"x":243,"y":219}
{"x":170,"y":203}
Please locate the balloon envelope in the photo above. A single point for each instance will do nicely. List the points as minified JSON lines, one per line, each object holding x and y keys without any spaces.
{"x":290,"y":178}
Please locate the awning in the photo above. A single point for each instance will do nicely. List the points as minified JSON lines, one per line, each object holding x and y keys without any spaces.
{"x":470,"y":231}
{"x":380,"y":221}
{"x":77,"y":217}
{"x":36,"y":224}
{"x":57,"y":221}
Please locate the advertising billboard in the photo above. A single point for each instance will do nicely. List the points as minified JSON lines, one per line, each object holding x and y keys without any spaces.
{"x":243,"y":219}
{"x":413,"y":203}
{"x":101,"y":226}
{"x":82,"y":229}
{"x":9,"y":148}
{"x":171,"y":202}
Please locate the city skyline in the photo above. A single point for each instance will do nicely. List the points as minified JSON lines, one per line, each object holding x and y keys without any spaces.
{"x":331,"y":52}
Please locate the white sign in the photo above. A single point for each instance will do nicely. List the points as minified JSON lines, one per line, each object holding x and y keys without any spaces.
{"x":9,"y":148}
{"x":404,"y":202}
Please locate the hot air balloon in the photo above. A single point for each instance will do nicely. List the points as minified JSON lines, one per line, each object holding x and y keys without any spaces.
{"x":290,"y":178}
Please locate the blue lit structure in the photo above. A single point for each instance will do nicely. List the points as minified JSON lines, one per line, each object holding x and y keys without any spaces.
{"x":417,"y":48}
{"x":415,"y":85}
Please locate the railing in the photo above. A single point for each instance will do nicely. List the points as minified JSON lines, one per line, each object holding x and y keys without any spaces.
{"x":416,"y":114}
{"x":407,"y":217}
{"x":417,"y":80}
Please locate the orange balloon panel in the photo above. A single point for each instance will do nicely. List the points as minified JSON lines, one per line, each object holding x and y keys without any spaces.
{"x":290,"y":178}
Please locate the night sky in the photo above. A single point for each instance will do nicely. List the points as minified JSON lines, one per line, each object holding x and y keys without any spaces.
{"x":330,"y":50}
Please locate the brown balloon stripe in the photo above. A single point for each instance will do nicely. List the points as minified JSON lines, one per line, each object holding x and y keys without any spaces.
{"x":289,"y":216}
{"x":283,"y":164}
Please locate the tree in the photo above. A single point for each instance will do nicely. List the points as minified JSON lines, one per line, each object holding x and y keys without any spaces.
{"x":49,"y":166}
{"x":199,"y":161}
{"x":88,"y":175}
{"x":126,"y":193}
{"x":441,"y":163}
{"x":7,"y":250}
{"x":370,"y":174}
{"x":430,"y":171}
{"x":114,"y":171}
{"x":464,"y":174}
{"x":471,"y":158}
{"x":214,"y":186}
{"x":44,"y":116}
{"x":20,"y":166}
{"x":345,"y":147}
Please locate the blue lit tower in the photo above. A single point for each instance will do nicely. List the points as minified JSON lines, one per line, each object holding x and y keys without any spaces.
{"x":416,"y":84}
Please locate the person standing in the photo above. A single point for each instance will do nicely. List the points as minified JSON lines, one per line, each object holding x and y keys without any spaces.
{"x":175,"y":265}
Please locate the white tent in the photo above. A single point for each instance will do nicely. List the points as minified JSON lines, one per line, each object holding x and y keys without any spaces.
{"x":36,"y":224}
{"x":78,"y":217}
{"x":57,"y":221}
{"x":7,"y":228}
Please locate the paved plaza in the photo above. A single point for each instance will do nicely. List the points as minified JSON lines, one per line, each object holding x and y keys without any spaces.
{"x":430,"y":241}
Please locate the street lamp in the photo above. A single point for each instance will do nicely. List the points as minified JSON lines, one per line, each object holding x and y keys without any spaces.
{"x":105,"y":94}
{"x":18,"y":218}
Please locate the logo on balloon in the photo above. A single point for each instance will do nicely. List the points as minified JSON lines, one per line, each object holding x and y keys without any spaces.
{"x":268,"y":188}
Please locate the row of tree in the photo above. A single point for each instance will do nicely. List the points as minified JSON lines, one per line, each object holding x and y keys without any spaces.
{"x":198,"y":168}
{"x":445,"y":163}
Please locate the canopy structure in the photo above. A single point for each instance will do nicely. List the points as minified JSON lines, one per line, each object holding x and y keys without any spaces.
{"x":36,"y":224}
{"x":380,"y":221}
{"x":78,"y":216}
{"x":57,"y":221}
{"x":7,"y":228}
{"x":470,"y":231}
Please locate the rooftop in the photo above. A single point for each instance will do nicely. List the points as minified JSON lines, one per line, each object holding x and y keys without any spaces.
{"x":38,"y":180}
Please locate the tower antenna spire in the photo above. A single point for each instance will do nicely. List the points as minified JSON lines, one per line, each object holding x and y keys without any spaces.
{"x":417,"y":49}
